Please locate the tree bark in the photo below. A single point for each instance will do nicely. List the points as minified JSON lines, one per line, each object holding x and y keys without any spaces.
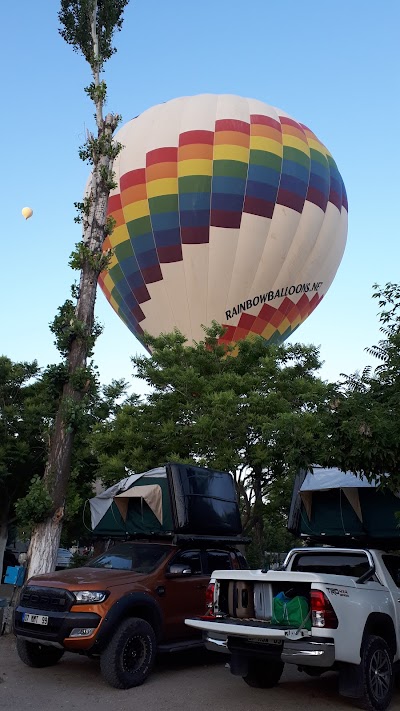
{"x":45,"y":538}
{"x":3,"y":538}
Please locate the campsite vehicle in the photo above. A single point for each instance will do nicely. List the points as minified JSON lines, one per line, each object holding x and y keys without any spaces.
{"x":330,"y":607}
{"x":176,"y":524}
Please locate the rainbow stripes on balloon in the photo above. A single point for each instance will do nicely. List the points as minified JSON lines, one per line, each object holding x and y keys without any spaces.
{"x":201,"y":189}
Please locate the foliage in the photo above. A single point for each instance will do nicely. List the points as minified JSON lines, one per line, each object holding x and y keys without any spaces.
{"x":35,"y":507}
{"x":78,"y":560}
{"x":75,"y":20}
{"x":257,"y":415}
{"x":21,"y":436}
{"x":364,"y":414}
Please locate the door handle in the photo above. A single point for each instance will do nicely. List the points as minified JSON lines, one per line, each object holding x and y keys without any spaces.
{"x":201,"y":587}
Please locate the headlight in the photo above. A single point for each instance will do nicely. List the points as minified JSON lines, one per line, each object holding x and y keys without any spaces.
{"x":90,"y":595}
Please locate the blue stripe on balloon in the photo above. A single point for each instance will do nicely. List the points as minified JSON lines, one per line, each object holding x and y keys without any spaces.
{"x":263,"y":174}
{"x":167,"y":238}
{"x":296,"y":170}
{"x":165,"y":221}
{"x":261,"y":190}
{"x":230,"y":186}
{"x":194,"y":201}
{"x":195,"y":218}
{"x":227,"y":203}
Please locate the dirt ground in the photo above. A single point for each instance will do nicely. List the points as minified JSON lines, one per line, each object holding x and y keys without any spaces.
{"x":184,"y":682}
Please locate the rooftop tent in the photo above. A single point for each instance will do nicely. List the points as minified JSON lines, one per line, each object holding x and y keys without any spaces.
{"x":176,"y":498}
{"x":137,"y":504}
{"x":329,"y":505}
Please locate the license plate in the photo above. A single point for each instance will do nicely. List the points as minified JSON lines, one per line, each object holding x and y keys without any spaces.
{"x":266,"y":640}
{"x":35,"y":619}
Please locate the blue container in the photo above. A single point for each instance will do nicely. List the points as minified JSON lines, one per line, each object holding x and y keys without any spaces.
{"x":15,"y":575}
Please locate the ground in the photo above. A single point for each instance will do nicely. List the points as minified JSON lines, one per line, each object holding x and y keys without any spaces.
{"x":185,"y":682}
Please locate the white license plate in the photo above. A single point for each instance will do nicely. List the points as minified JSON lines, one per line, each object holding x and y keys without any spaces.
{"x":35,"y":619}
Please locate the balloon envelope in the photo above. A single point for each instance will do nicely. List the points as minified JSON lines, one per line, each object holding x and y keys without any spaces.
{"x":27,"y":212}
{"x":226,"y":209}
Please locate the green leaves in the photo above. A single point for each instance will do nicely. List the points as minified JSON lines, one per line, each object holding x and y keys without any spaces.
{"x":35,"y":507}
{"x":75,"y":20}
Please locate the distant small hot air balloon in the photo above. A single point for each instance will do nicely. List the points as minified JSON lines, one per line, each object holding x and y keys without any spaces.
{"x":27,"y":212}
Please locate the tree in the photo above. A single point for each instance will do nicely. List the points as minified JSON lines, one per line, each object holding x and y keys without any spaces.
{"x":257,"y":415}
{"x":89,"y":26}
{"x":365,"y":412}
{"x":21,"y":447}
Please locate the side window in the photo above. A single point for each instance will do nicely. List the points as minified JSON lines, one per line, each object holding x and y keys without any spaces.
{"x":243,"y":564}
{"x":392,"y":563}
{"x":218,"y":560}
{"x":190,"y":558}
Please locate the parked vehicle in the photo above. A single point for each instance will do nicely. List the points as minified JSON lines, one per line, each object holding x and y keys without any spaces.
{"x":330,"y":607}
{"x":132,"y":600}
{"x":63,"y":558}
{"x":123,"y":605}
{"x":353,"y":625}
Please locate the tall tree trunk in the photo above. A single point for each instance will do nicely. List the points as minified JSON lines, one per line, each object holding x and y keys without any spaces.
{"x":3,"y":534}
{"x":45,"y":539}
{"x":258,"y":511}
{"x":100,"y":152}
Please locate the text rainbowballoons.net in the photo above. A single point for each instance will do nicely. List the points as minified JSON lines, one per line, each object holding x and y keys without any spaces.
{"x":226,"y":209}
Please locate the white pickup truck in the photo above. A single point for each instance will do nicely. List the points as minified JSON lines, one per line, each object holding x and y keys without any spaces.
{"x":353,"y":622}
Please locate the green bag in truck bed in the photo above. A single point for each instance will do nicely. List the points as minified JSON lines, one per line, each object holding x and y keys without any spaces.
{"x":291,"y":612}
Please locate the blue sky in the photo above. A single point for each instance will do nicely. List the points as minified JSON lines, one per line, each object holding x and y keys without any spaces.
{"x":332,"y":66}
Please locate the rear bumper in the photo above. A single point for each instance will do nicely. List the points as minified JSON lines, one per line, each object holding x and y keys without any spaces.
{"x":216,"y":642}
{"x":262,"y":642}
{"x":310,"y":653}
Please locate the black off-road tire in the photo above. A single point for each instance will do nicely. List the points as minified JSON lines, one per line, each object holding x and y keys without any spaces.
{"x":377,"y":674}
{"x":264,"y":675}
{"x":129,"y":657}
{"x":34,"y":654}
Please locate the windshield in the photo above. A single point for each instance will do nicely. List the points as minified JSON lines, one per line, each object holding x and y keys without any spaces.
{"x":136,"y":557}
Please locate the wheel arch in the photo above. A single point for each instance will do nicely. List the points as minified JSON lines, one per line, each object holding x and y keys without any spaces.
{"x":380,"y":624}
{"x":134,"y":604}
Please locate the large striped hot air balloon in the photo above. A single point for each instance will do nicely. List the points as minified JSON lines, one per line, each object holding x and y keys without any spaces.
{"x":226,"y":209}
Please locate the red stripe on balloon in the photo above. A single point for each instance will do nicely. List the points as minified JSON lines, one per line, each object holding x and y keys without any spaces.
{"x":232,"y":125}
{"x":188,"y":137}
{"x":134,"y":177}
{"x":162,"y":155}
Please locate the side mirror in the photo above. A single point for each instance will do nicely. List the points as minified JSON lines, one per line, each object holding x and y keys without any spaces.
{"x":177,"y":570}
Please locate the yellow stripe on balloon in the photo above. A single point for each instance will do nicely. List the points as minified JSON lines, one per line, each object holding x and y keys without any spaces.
{"x":164,"y":186}
{"x":317,"y":146}
{"x":226,"y":152}
{"x":118,"y":235}
{"x":194,"y":167}
{"x":108,"y":282}
{"x":293,"y":142}
{"x":284,"y":325}
{"x":260,"y":143}
{"x":114,"y":304}
{"x":268,"y":331}
{"x":136,"y":210}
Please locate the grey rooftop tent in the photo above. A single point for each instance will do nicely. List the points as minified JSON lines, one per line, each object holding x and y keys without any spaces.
{"x":332,"y":506}
{"x":175,"y":498}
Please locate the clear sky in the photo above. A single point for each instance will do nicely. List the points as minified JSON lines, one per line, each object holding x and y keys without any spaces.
{"x":333,"y":66}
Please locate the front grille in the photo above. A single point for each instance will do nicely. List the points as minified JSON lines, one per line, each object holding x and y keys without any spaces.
{"x":49,"y":599}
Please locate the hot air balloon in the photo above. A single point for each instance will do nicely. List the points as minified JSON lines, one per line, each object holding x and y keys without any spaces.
{"x":27,"y":212}
{"x":226,"y":209}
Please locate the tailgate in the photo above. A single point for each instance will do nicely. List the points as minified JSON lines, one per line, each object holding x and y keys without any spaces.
{"x":248,"y":628}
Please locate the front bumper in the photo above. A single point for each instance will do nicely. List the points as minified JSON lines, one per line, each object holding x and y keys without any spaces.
{"x":58,"y":629}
